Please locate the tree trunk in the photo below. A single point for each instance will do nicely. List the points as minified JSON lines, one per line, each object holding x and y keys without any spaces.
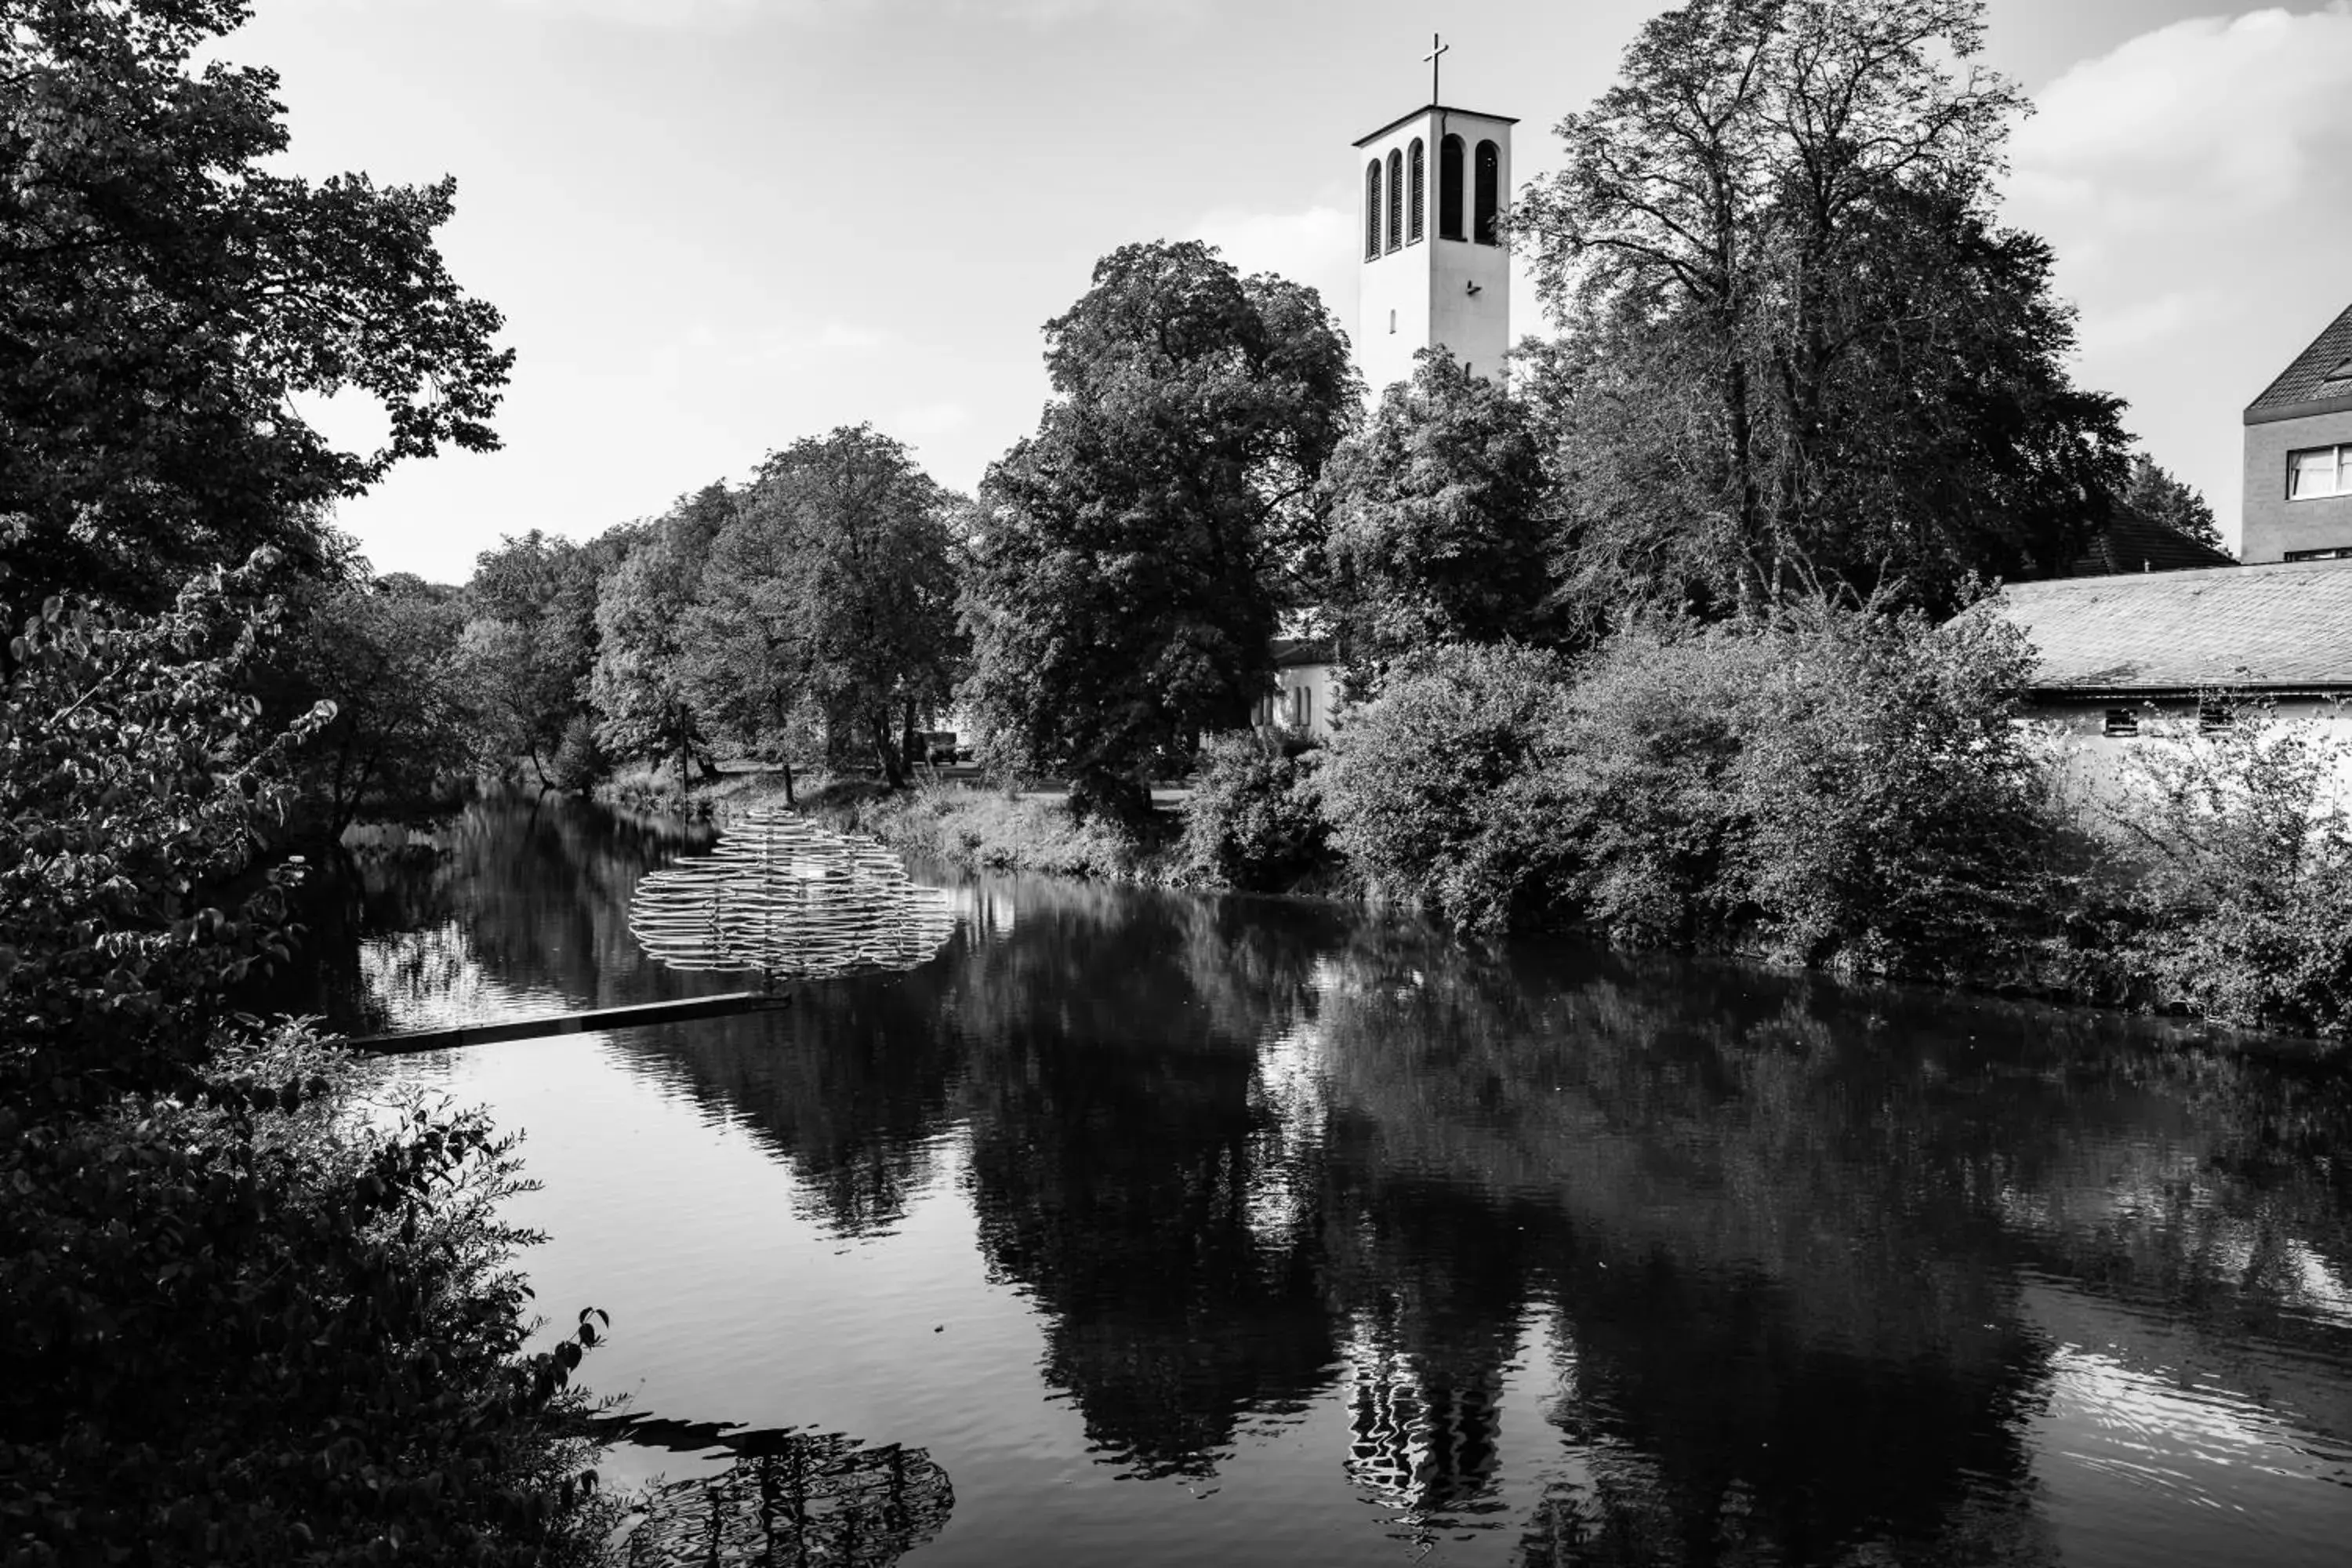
{"x":894,"y":772}
{"x":789,"y":803}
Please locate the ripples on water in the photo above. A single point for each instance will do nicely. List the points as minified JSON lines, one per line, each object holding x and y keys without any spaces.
{"x":1179,"y":1230}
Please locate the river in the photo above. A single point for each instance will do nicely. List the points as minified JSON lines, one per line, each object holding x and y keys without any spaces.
{"x":1177,"y":1229}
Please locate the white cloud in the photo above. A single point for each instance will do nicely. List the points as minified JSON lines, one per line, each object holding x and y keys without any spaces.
{"x":2196,"y":183}
{"x":1310,"y":247}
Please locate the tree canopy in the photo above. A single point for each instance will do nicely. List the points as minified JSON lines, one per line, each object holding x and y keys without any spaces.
{"x":1132,"y":556}
{"x":1440,"y":521}
{"x":830,"y":591}
{"x":170,"y":297}
{"x":2156,"y":493}
{"x":1798,"y":346}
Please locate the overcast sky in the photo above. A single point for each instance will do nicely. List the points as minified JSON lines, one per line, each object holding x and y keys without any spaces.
{"x":718,"y":225}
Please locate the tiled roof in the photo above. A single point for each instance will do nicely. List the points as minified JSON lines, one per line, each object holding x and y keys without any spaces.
{"x":2279,"y":628}
{"x":2130,"y":542}
{"x":2321,"y":371}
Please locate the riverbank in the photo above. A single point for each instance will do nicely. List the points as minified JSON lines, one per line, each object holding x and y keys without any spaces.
{"x":973,"y":825}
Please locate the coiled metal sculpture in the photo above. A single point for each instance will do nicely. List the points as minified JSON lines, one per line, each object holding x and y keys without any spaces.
{"x":795,"y":901}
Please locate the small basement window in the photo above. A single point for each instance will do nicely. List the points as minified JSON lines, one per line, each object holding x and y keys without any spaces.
{"x":2123,"y":723}
{"x":2317,"y":472}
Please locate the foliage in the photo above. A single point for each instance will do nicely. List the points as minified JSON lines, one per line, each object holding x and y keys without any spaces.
{"x":1440,"y":791}
{"x":1133,"y":555}
{"x":170,"y":295}
{"x":639,"y":688}
{"x":528,"y":647}
{"x":135,"y":781}
{"x":2154,"y":492}
{"x":1838,"y":788}
{"x":258,"y":1335}
{"x":2241,"y":844}
{"x":243,"y":1328}
{"x":990,"y":830}
{"x":1798,"y":348}
{"x":1253,"y":821}
{"x":1439,"y":522}
{"x":831,"y":588}
{"x":384,"y":657}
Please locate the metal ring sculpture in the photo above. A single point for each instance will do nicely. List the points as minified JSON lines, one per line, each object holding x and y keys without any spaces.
{"x":793,"y":900}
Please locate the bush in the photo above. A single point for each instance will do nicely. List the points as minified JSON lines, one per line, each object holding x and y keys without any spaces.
{"x":2240,"y":849}
{"x":241,"y":1326}
{"x":1838,"y":788}
{"x":1253,"y":821}
{"x":579,"y":765}
{"x":1441,"y":792}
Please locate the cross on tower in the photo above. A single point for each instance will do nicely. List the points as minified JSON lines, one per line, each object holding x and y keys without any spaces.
{"x":1436,"y":48}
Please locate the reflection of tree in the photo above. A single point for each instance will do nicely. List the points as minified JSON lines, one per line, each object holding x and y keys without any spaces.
{"x":1114,"y":1158}
{"x":1793,"y":1244}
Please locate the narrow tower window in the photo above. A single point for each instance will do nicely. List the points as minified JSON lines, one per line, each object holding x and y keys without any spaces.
{"x":1490,"y":194}
{"x":1449,"y":188}
{"x":1372,"y":210}
{"x":1396,"y":200}
{"x":1416,"y":193}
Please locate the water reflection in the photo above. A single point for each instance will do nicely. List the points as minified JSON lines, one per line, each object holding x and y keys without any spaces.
{"x":1803,"y":1274}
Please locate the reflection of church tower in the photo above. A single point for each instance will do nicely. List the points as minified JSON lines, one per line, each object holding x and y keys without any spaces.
{"x":1434,"y":185}
{"x":1424,"y":1436}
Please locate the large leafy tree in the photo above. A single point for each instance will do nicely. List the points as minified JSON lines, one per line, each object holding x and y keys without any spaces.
{"x":169,"y":297}
{"x":833,"y":589}
{"x":1132,"y":557}
{"x":1798,"y":346}
{"x":640,"y":686}
{"x":1441,"y":515}
{"x":530,"y":643}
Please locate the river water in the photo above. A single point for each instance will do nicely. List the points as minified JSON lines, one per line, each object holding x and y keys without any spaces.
{"x":1180,"y":1230}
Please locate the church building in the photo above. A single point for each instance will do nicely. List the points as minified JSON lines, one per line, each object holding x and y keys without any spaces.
{"x":1436,"y":184}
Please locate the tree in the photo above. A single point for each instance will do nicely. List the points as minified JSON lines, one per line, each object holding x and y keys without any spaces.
{"x":1439,"y":522}
{"x":169,"y":296}
{"x":1799,"y":349}
{"x":384,"y":658}
{"x":831,"y":587}
{"x":2153,"y":492}
{"x":529,"y":645}
{"x":639,"y":686}
{"x":1133,"y":555}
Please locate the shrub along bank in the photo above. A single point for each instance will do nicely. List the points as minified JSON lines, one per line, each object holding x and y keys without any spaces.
{"x":245,"y":1322}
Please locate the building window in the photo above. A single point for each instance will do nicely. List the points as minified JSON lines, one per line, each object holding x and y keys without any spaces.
{"x":1490,"y":194}
{"x":1302,"y":706}
{"x":1396,"y":200}
{"x":1392,"y":323}
{"x":2340,"y":553}
{"x":2215,"y":715}
{"x":1449,"y":188}
{"x":1416,"y":192}
{"x":1372,"y":210}
{"x":2319,"y":471}
{"x":2123,"y":723}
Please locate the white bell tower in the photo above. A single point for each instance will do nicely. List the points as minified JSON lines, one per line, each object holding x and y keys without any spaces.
{"x":1434,"y":185}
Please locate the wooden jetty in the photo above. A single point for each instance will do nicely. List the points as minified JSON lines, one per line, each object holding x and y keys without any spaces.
{"x":595,"y":1018}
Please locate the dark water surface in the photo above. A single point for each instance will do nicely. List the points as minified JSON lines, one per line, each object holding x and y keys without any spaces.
{"x":1180,"y":1230}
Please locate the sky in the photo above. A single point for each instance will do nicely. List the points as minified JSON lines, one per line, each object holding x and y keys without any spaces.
{"x":715,"y":227}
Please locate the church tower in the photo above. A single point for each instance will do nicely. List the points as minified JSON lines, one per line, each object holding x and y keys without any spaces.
{"x":1434,"y":185}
